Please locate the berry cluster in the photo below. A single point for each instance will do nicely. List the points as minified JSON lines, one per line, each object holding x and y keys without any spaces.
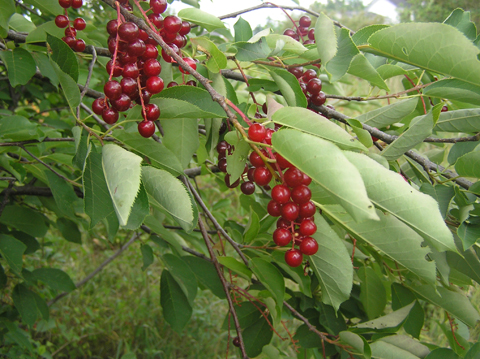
{"x":290,"y":199}
{"x":301,"y":30}
{"x":134,"y":58}
{"x":310,"y":84}
{"x":79,"y":24}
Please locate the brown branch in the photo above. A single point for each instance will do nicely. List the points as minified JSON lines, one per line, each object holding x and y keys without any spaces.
{"x":395,"y":95}
{"x":224,"y":285}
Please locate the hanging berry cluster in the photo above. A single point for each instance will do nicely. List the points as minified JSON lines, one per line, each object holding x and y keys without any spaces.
{"x":291,"y":199}
{"x":301,"y":30}
{"x":63,"y":22}
{"x":134,"y":58}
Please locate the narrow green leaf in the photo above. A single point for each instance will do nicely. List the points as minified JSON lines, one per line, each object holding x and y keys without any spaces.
{"x":442,"y":194}
{"x":453,"y":302}
{"x":69,"y":86}
{"x":325,"y":38}
{"x":467,"y":120}
{"x":372,"y":292}
{"x":147,"y":255}
{"x":206,"y":274}
{"x":454,"y":90}
{"x":69,"y":230}
{"x":402,"y":42}
{"x":326,"y":165}
{"x":122,"y":174}
{"x":176,"y":308}
{"x":236,"y":266}
{"x":389,"y":323}
{"x":97,"y":201}
{"x":467,"y":264}
{"x":332,"y":265}
{"x":55,"y":278}
{"x":339,"y":65}
{"x":8,"y":9}
{"x":361,"y":36}
{"x":389,"y":191}
{"x":12,"y":251}
{"x":64,"y":56}
{"x":140,"y":209}
{"x":384,"y":350}
{"x":270,"y":277}
{"x":253,"y":226}
{"x":307,"y":121}
{"x":243,"y":31}
{"x":459,"y":149}
{"x":24,"y":219}
{"x":183,"y":275}
{"x":24,"y":301}
{"x":18,"y":128}
{"x":250,"y":51}
{"x":387,"y":115}
{"x":283,"y":43}
{"x":474,"y":352}
{"x":289,"y":87}
{"x":216,"y":60}
{"x":469,"y":165}
{"x":170,"y":194}
{"x":63,"y":194}
{"x":442,"y":353}
{"x":20,"y":65}
{"x":362,"y":68}
{"x":202,"y":18}
{"x":357,"y":342}
{"x":388,"y":70}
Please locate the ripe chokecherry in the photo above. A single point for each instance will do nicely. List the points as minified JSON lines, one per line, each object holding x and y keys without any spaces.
{"x":309,"y":246}
{"x":293,"y":177}
{"x":308,"y":227}
{"x":152,"y":68}
{"x":98,"y":106}
{"x":256,"y":160}
{"x":257,"y":132}
{"x":290,"y":211}
{"x":190,"y":62}
{"x":112,"y":90}
{"x":152,"y":112}
{"x":110,"y":115}
{"x":301,"y":194}
{"x":262,"y":176}
{"x":61,"y":21}
{"x":172,"y":24}
{"x":128,"y":31}
{"x":158,"y":6}
{"x":282,"y":236}
{"x":274,"y":208}
{"x":307,"y":209}
{"x":247,"y":188}
{"x":154,"y":84}
{"x":79,"y":24}
{"x":293,"y":257}
{"x":146,"y":128}
{"x":281,"y":193}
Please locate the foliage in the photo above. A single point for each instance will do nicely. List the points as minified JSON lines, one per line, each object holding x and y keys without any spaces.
{"x":394,"y":184}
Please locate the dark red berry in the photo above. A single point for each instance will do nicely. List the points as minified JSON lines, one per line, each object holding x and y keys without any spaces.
{"x":307,"y":209}
{"x":185,"y":29}
{"x":262,"y":176}
{"x":282,"y":162}
{"x":152,"y":112}
{"x":70,"y":31}
{"x":282,"y":223}
{"x":130,"y":70}
{"x":136,"y":48}
{"x":318,"y":99}
{"x":112,"y":27}
{"x":61,"y":21}
{"x":444,"y":108}
{"x":110,"y":115}
{"x":79,"y":24}
{"x":156,"y":19}
{"x":172,"y":24}
{"x":112,"y":90}
{"x":151,"y":52}
{"x":268,"y":137}
{"x":311,"y":34}
{"x":222,"y":148}
{"x":236,"y":342}
{"x":250,"y":174}
{"x":281,"y":193}
{"x":293,"y":257}
{"x":77,"y":4}
{"x":122,"y":103}
{"x":293,"y":177}
{"x":98,"y":105}
{"x":190,"y":62}
{"x":309,"y":246}
{"x":306,"y":180}
{"x":256,"y":160}
{"x":180,"y":41}
{"x":154,"y":84}
{"x":152,"y":68}
{"x":69,"y":40}
{"x":308,"y":227}
{"x":301,"y":194}
{"x":305,"y":21}
{"x":79,"y":45}
{"x":308,"y":75}
{"x":128,"y":31}
{"x":282,"y":236}
{"x":274,"y":208}
{"x":248,"y":188}
{"x":158,"y":6}
{"x":65,"y":3}
{"x":146,"y":128}
{"x":191,"y":83}
{"x":167,"y":57}
{"x":314,"y":86}
{"x":296,"y":71}
{"x":257,"y":132}
{"x":222,"y":165}
{"x":290,"y":211}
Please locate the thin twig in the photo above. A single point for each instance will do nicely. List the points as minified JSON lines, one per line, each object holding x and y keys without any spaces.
{"x":6,"y":193}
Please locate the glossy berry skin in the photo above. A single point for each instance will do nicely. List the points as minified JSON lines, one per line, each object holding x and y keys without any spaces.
{"x":248,"y":188}
{"x":98,"y":106}
{"x":110,"y":115}
{"x":69,"y":40}
{"x":136,"y":48}
{"x":268,"y":137}
{"x":151,"y":52}
{"x":293,"y":177}
{"x":282,"y":162}
{"x":444,"y":108}
{"x":185,"y":29}
{"x":65,"y":3}
{"x":167,"y":57}
{"x":305,"y":21}
{"x":306,"y":180}
{"x":250,"y":174}
{"x":236,"y":342}
{"x":130,"y":70}
{"x":172,"y":24}
{"x":274,"y":208}
{"x":222,"y":165}
{"x":128,"y":31}
{"x":256,"y":160}
{"x":308,"y":75}
{"x":112,"y":90}
{"x":61,"y":21}
{"x":129,"y":86}
{"x":318,"y":99}
{"x":191,"y":83}
{"x":70,"y":31}
{"x":190,"y":63}
{"x":281,"y":223}
{"x":290,"y":211}
{"x":156,"y":19}
{"x":262,"y":176}
{"x":122,"y":103}
{"x":152,"y":112}
{"x":296,"y":71}
{"x":301,"y":194}
{"x":152,"y":68}
{"x":154,"y":85}
{"x":311,"y":34}
{"x":309,"y":246}
{"x":158,"y":6}
{"x":77,"y":4}
{"x":222,"y":148}
{"x":307,"y":209}
{"x":146,"y":128}
{"x":79,"y":24}
{"x":79,"y":45}
{"x":282,"y":236}
{"x":112,"y":27}
{"x":257,"y":132}
{"x":281,"y":193}
{"x":314,"y":86}
{"x":308,"y":227}
{"x":293,"y":257}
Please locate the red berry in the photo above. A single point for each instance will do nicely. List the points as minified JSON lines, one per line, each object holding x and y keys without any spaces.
{"x":79,"y":45}
{"x":302,"y":30}
{"x":290,"y":211}
{"x":190,"y":62}
{"x":293,"y":177}
{"x":122,"y":103}
{"x":262,"y":176}
{"x":305,"y":21}
{"x":77,"y":4}
{"x":222,"y":165}
{"x":257,"y":132}
{"x":293,"y":257}
{"x":274,"y":208}
{"x":112,"y":27}
{"x":248,"y":188}
{"x":180,"y":41}
{"x":145,"y":97}
{"x":167,"y":57}
{"x":129,"y":86}
{"x":70,"y":31}
{"x":152,"y":68}
{"x":65,"y":3}
{"x":444,"y":108}
{"x":236,"y":342}
{"x":142,"y":35}
{"x":318,"y":99}
{"x":130,"y":70}
{"x":191,"y":83}
{"x":128,"y":31}
{"x":268,"y":137}
{"x":151,"y":52}
{"x":256,"y":160}
{"x":112,"y":90}
{"x":154,"y":85}
{"x":152,"y":112}
{"x":308,"y":75}
{"x":69,"y":40}
{"x":296,"y":71}
{"x":282,"y":162}
{"x":158,"y":6}
{"x":306,"y":180}
{"x":61,"y":21}
{"x":146,"y":128}
{"x":308,"y":227}
{"x":185,"y":29}
{"x":311,"y":34}
{"x":307,"y":209}
{"x":309,"y":246}
{"x":301,"y":194}
{"x":281,"y":193}
{"x":136,"y":48}
{"x":79,"y":24}
{"x":222,"y":148}
{"x":110,"y":115}
{"x":314,"y":86}
{"x":250,"y":174}
{"x":98,"y":105}
{"x":156,"y":19}
{"x":172,"y":24}
{"x":281,"y":223}
{"x":282,"y":237}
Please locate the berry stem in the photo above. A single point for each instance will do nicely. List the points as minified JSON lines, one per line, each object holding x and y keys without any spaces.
{"x":237,"y":110}
{"x":141,"y":98}
{"x":150,"y":24}
{"x":117,"y":39}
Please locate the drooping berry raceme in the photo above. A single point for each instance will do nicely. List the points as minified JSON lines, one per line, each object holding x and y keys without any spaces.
{"x":63,"y":22}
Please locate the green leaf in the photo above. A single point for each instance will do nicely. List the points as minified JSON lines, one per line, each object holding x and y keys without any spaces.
{"x":307,"y":121}
{"x":69,"y":230}
{"x":332,"y":265}
{"x":358,"y":343}
{"x":18,"y":128}
{"x":187,"y":102}
{"x":248,"y":51}
{"x":21,"y":24}
{"x":327,"y":166}
{"x":339,"y":65}
{"x":388,"y":70}
{"x":24,"y":219}
{"x":216,"y":60}
{"x":389,"y":323}
{"x":176,"y":307}
{"x":55,"y":278}
{"x":140,"y":209}
{"x":253,"y":227}
{"x":372,"y":292}
{"x":12,"y":251}
{"x":384,"y":350}
{"x":296,"y":273}
{"x":122,"y":174}
{"x":182,"y":273}
{"x":389,"y":191}
{"x":403,"y":43}
{"x":20,"y":65}
{"x":270,"y":277}
{"x":8,"y":9}
{"x":361,"y":36}
{"x":3,"y":277}
{"x":454,"y":90}
{"x":147,"y":255}
{"x":48,"y":6}
{"x":202,"y":18}
{"x":236,"y":266}
{"x":461,"y":20}
{"x":206,"y":274}
{"x":459,"y":149}
{"x":474,"y":352}
{"x":243,"y":31}
{"x":289,"y":87}
{"x":387,"y":115}
{"x":442,"y":353}
{"x":69,"y":86}
{"x":64,"y":56}
{"x":325,"y":38}
{"x":282,"y":43}
{"x":467,"y":264}
{"x":467,"y":120}
{"x":170,"y":194}
{"x":17,"y":335}
{"x":97,"y":201}
{"x":24,"y":301}
{"x":236,"y":161}
{"x":407,"y":343}
{"x":442,"y":194}
{"x":453,"y":302}
{"x":63,"y":194}
{"x":420,"y":128}
{"x":256,"y":336}
{"x":469,"y":165}
{"x":362,"y":68}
